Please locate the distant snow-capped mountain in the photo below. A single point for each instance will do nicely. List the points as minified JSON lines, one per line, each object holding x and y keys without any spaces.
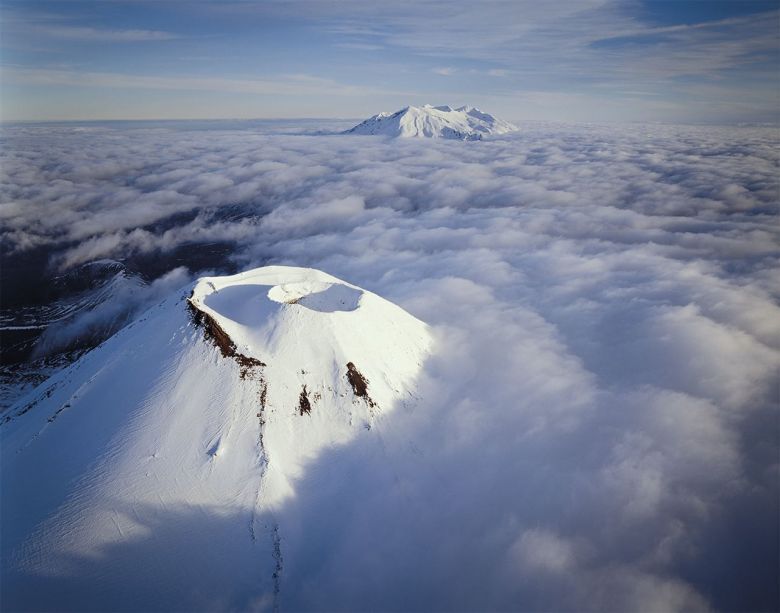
{"x":464,"y":123}
{"x":153,"y":473}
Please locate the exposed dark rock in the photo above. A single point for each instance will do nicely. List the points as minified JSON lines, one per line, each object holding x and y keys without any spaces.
{"x":304,"y":406}
{"x":263,"y":394}
{"x":214,"y":333}
{"x":359,"y":383}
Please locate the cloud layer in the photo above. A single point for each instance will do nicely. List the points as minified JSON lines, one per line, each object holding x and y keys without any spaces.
{"x":598,"y":429}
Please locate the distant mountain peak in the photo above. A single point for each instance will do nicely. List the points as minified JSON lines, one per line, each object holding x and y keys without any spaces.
{"x":463,"y":123}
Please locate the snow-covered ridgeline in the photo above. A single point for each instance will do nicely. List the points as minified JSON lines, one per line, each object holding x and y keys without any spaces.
{"x":463,"y":123}
{"x":194,"y":424}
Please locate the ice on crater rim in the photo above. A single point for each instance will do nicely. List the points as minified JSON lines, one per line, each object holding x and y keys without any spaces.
{"x":317,"y":296}
{"x":251,"y":304}
{"x":288,"y":314}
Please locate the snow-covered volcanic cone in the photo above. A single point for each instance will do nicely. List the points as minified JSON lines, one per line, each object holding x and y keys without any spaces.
{"x":150,"y":474}
{"x":464,"y":123}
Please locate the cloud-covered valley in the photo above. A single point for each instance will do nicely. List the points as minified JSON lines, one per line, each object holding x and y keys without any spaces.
{"x":598,"y":428}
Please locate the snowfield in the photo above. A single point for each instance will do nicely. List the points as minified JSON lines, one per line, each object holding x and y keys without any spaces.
{"x":587,"y":420}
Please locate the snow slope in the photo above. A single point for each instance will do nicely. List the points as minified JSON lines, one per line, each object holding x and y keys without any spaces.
{"x":148,"y":475}
{"x":464,"y":123}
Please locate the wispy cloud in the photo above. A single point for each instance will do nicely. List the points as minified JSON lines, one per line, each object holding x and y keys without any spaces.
{"x":87,"y":34}
{"x":297,"y":84}
{"x":687,"y":27}
{"x":565,"y":39}
{"x":360,"y":46}
{"x":575,"y":47}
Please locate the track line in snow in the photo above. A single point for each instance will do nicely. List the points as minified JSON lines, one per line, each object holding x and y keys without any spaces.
{"x":278,"y":567}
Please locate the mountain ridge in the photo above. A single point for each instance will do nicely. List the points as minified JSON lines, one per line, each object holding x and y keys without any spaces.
{"x":211,"y":407}
{"x":463,"y":123}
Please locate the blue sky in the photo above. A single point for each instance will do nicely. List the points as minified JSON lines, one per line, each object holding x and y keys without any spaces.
{"x":585,"y":60}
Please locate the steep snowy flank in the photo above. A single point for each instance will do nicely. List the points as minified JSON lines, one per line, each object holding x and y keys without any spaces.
{"x":149,"y":475}
{"x":464,"y":123}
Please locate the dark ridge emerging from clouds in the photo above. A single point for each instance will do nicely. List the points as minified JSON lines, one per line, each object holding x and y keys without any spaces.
{"x":600,"y":429}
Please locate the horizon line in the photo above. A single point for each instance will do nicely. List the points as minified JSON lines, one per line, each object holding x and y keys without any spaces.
{"x":657,"y":122}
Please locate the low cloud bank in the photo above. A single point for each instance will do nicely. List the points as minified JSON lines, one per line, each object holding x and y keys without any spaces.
{"x":111,"y":307}
{"x":599,"y":428}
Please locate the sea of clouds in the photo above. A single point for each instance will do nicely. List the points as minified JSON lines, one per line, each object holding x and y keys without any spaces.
{"x":598,"y":428}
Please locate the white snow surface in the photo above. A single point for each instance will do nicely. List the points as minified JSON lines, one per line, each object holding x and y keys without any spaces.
{"x":148,"y":475}
{"x":463,"y":123}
